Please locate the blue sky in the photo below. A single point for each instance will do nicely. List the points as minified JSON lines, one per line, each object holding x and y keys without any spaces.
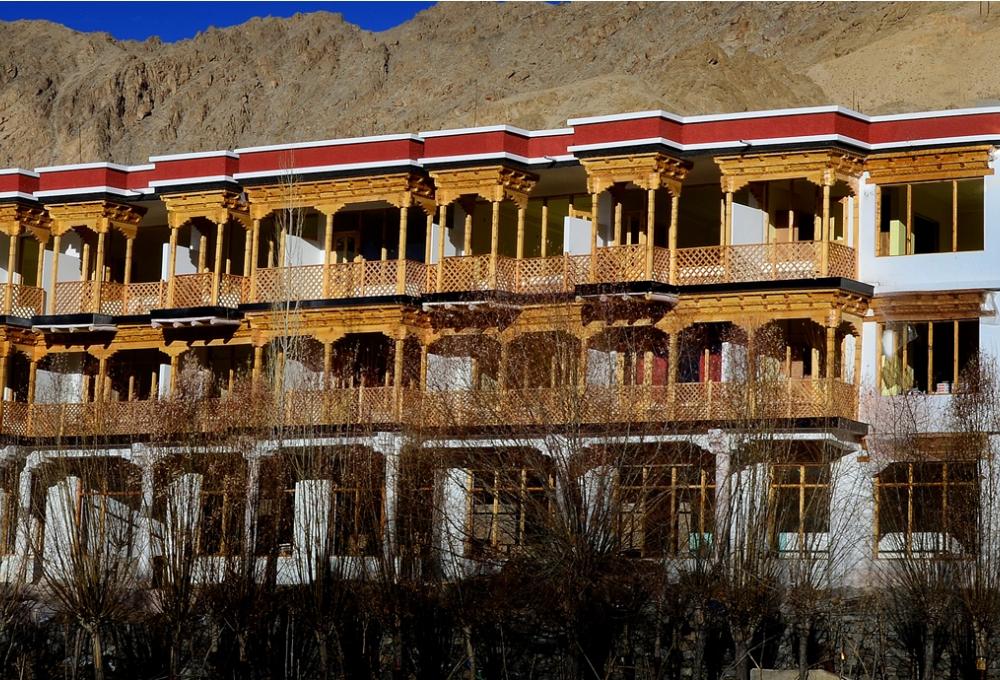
{"x":178,"y":20}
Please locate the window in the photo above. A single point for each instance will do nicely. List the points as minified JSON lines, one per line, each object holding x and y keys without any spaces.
{"x":927,"y":509}
{"x":507,"y":506}
{"x":356,"y":505}
{"x":930,"y":217}
{"x":221,"y":520}
{"x":666,"y":508}
{"x":926,"y":356}
{"x":800,"y":495}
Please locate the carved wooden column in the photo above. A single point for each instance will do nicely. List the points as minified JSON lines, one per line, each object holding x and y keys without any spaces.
{"x":55,"y":271}
{"x":8,"y":296}
{"x":593,"y":236}
{"x":220,"y":235}
{"x":127,"y":276}
{"x":544,"y":249}
{"x":442,"y":219}
{"x":469,"y":208}
{"x":824,"y":261}
{"x":32,"y":378}
{"x":95,"y":290}
{"x":397,"y":375}
{"x":521,"y":210}
{"x":650,"y":231}
{"x":3,"y":379}
{"x":254,"y":256}
{"x":404,"y":214}
{"x":331,"y":213}
{"x":172,"y":264}
{"x":494,"y":243}
{"x":672,"y":237}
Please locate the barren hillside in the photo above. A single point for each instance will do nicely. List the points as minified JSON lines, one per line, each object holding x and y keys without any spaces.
{"x":68,"y":96}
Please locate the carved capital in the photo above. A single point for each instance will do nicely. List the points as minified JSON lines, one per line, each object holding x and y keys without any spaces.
{"x":99,"y":216}
{"x":822,"y":167}
{"x":218,"y":206}
{"x":494,"y":183}
{"x":646,"y":171}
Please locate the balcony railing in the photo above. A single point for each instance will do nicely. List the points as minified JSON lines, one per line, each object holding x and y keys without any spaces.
{"x":367,"y":407}
{"x":25,"y":301}
{"x":761,"y":262}
{"x":344,"y":280}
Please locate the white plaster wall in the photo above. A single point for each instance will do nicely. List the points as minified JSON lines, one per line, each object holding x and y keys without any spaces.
{"x":576,"y":236}
{"x":70,"y":253}
{"x":748,"y":224}
{"x":61,"y":386}
{"x":312,"y":517}
{"x":938,"y":271}
{"x":453,"y":518}
{"x":57,"y":541}
{"x":605,"y":221}
{"x":454,"y":235}
{"x":448,"y":373}
{"x":4,"y":254}
{"x":299,"y":376}
{"x":301,"y":251}
{"x":852,"y":515}
{"x":600,"y":367}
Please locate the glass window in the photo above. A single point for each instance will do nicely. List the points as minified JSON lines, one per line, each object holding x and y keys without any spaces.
{"x":801,"y":503}
{"x":930,"y":217}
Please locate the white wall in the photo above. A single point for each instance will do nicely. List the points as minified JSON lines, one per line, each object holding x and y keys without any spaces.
{"x":61,"y":386}
{"x":448,"y":373}
{"x":300,"y":250}
{"x":576,"y":236}
{"x":748,"y":224}
{"x":70,"y":253}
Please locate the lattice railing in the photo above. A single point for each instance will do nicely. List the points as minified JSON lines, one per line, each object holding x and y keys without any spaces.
{"x":620,"y":263}
{"x":537,"y":275}
{"x":661,"y":265}
{"x":753,"y":262}
{"x":416,"y":277}
{"x":26,"y":301}
{"x":378,"y":278}
{"x":193,"y":290}
{"x":842,"y":262}
{"x":281,"y":284}
{"x":73,"y":297}
{"x":15,"y":419}
{"x":462,"y":273}
{"x":112,"y":298}
{"x":230,"y":290}
{"x":141,"y":298}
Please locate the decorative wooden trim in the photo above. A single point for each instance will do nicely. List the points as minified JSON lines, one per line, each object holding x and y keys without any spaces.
{"x":941,"y":306}
{"x":18,"y":217}
{"x":218,"y":206}
{"x":925,"y":165}
{"x":647,"y":171}
{"x":96,"y":215}
{"x":329,"y":196}
{"x":822,"y":167}
{"x":494,"y":183}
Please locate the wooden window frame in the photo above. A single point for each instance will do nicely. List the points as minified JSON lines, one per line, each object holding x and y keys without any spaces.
{"x":705,"y":489}
{"x":910,"y":486}
{"x":909,"y":216}
{"x":904,"y":353}
{"x":521,"y":493}
{"x":801,"y":486}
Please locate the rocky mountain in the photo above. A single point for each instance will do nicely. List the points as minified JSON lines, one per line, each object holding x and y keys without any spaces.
{"x":72,"y":97}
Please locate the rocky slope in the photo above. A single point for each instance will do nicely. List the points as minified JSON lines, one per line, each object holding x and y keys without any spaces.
{"x":70,"y":97}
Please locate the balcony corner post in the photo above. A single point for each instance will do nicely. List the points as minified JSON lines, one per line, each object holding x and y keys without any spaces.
{"x":8,"y":294}
{"x":672,"y":241}
{"x":650,"y":231}
{"x":824,"y":261}
{"x":494,"y":243}
{"x":593,"y":236}
{"x":172,"y":263}
{"x":404,"y":213}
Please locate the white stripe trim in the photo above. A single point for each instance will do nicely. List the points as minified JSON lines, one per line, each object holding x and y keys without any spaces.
{"x":18,"y":171}
{"x":190,"y":180}
{"x":17,"y":194}
{"x":193,"y":155}
{"x":86,"y":190}
{"x":498,"y":155}
{"x":141,"y":168}
{"x":83,"y":166}
{"x":325,"y":168}
{"x":706,"y":118}
{"x":330,"y":142}
{"x":497,"y":128}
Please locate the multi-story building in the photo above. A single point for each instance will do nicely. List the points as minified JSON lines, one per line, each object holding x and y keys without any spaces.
{"x":445,"y":290}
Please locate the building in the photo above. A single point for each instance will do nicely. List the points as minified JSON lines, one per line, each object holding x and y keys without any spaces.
{"x":457,"y":284}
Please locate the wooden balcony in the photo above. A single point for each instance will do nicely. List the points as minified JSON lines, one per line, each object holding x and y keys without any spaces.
{"x":762,"y":262}
{"x":117,"y":299}
{"x":369,"y":408}
{"x":25,"y":301}
{"x":343,"y":280}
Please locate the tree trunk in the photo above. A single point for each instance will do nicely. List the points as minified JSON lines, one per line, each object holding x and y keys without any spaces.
{"x":470,"y":651}
{"x":95,"y":640}
{"x":804,"y":629}
{"x":928,"y":669}
{"x":742,"y":661}
{"x":698,"y":662}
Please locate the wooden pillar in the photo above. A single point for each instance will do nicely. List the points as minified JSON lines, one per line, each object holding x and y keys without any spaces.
{"x":327,"y":251}
{"x":467,"y":229}
{"x":930,"y":357}
{"x":672,"y":237}
{"x":650,"y":231}
{"x":40,"y":271}
{"x":55,"y":272}
{"x":258,"y":362}
{"x":154,"y":384}
{"x":954,"y":216}
{"x":85,"y":263}
{"x":544,"y":249}
{"x":95,"y":290}
{"x":131,"y":388}
{"x":127,"y":277}
{"x":102,"y":369}
{"x":202,"y":253}
{"x":3,"y":382}
{"x":502,"y":371}
{"x":727,"y":224}
{"x":831,"y":347}
{"x":520,"y":231}
{"x":824,"y":260}
{"x":442,"y":219}
{"x":428,"y":240}
{"x":175,"y":362}
{"x":32,"y":379}
{"x":327,"y":363}
{"x":423,"y":366}
{"x":582,"y":368}
{"x":404,"y":214}
{"x":593,"y":237}
{"x":254,"y":255}
{"x":494,"y":243}
{"x":8,"y":296}
{"x":220,"y":233}
{"x":618,"y":222}
{"x":172,"y":266}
